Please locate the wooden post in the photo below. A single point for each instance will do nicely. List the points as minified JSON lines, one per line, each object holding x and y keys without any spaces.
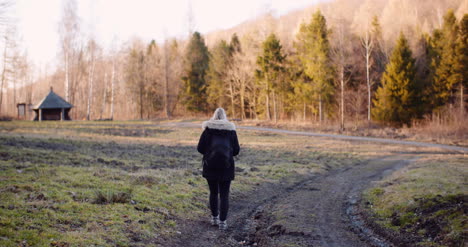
{"x":40,"y":115}
{"x":62,"y":115}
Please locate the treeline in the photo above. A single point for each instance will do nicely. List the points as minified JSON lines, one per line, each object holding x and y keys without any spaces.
{"x":325,"y":72}
{"x":322,"y":76}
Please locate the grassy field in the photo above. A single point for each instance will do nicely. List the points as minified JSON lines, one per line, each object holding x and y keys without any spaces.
{"x":427,"y":199}
{"x":130,"y":183}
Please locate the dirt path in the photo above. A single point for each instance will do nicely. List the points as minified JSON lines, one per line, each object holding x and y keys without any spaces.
{"x":315,"y":210}
{"x":334,"y":136}
{"x":306,"y":211}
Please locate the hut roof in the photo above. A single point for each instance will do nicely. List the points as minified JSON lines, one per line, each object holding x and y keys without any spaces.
{"x":52,"y":101}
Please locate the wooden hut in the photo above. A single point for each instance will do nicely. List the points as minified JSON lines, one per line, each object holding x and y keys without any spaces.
{"x":52,"y":107}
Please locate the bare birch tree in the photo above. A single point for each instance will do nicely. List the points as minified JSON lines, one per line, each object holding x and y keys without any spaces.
{"x":9,"y":60}
{"x":112,"y":89}
{"x":92,"y":51}
{"x":69,"y":31}
{"x":242,"y":77}
{"x":5,"y":25}
{"x":341,"y":54}
{"x":368,"y":45}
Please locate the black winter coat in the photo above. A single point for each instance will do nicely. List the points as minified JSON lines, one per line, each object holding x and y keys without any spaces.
{"x":203,"y":146}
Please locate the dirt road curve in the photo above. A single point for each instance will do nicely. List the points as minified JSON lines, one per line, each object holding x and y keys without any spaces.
{"x":336,"y":136}
{"x":314,"y":210}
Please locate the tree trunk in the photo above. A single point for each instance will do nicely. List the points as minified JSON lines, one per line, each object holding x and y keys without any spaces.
{"x":255,"y":108}
{"x":242,"y":98}
{"x":342,"y":98}
{"x":105,"y":96}
{"x":320,"y":109}
{"x":3,"y":74}
{"x":367,"y":43}
{"x":166,"y":97}
{"x":112,"y":92}
{"x":90,"y":90}
{"x":14,"y":90}
{"x":304,"y":111}
{"x":67,"y":79}
{"x":267,"y":103}
{"x":141,"y":102}
{"x":166,"y":84}
{"x":462,"y":102}
{"x":275,"y":110}
{"x":368,"y":89}
{"x":231,"y":92}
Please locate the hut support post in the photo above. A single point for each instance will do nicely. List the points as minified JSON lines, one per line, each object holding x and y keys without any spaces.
{"x":62,"y":115}
{"x":40,"y":115}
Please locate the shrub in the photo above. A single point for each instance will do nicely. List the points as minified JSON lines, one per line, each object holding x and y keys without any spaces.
{"x":109,"y":197}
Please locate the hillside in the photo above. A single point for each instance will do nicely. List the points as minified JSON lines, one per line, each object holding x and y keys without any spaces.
{"x":411,"y":17}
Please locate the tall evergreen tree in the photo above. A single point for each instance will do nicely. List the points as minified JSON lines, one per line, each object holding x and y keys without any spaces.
{"x":425,"y":72}
{"x":235,"y":51}
{"x":445,"y":76}
{"x":271,"y":67}
{"x":432,"y":51}
{"x":379,"y":54}
{"x":235,"y":44}
{"x":395,"y":100}
{"x":153,"y":92}
{"x":313,"y":48}
{"x":135,"y":77}
{"x":461,"y":61}
{"x":194,"y":79}
{"x":220,"y":57}
{"x":300,"y":95}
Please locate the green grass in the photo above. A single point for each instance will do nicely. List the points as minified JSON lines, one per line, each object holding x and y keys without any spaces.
{"x":129,"y":183}
{"x":429,"y":200}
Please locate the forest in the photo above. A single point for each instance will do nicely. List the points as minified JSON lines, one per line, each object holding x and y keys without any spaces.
{"x":394,"y":62}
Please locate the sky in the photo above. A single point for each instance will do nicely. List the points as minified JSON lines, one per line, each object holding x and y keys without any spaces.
{"x":117,"y":21}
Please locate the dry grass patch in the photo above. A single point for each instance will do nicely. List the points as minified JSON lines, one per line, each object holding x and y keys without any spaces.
{"x":63,"y":185}
{"x":427,"y":200}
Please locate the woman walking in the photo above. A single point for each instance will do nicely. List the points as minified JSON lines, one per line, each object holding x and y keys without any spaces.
{"x":218,"y":144}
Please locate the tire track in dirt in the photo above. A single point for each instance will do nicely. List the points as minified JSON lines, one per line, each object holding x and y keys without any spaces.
{"x":241,"y":220}
{"x":316,"y":214}
{"x":318,"y":210}
{"x":311,"y":211}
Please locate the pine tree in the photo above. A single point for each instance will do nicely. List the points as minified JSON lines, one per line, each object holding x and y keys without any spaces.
{"x":153,"y":92}
{"x":234,"y":51}
{"x":235,"y":44}
{"x":425,"y":73}
{"x":270,"y":64}
{"x":445,"y":76}
{"x":135,"y":77}
{"x":194,"y":79}
{"x":395,"y":99}
{"x":216,"y":78}
{"x":379,"y":54}
{"x":432,"y":50}
{"x":301,"y":87}
{"x":313,"y":48}
{"x":461,"y":61}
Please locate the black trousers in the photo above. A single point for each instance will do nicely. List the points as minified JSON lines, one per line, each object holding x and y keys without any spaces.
{"x":220,"y":188}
